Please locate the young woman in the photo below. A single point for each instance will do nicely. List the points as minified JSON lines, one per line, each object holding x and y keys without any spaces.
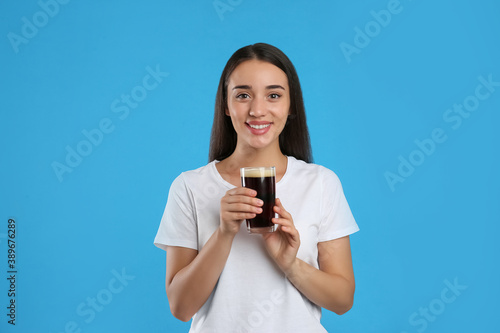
{"x":226,"y":279}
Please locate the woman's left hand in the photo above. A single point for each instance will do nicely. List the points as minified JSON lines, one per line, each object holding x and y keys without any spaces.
{"x":283,"y":244}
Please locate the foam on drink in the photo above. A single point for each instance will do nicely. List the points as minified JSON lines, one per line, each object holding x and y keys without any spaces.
{"x":258,"y":172}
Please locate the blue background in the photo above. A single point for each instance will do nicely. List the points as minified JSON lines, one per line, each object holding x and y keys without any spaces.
{"x":365,"y":110}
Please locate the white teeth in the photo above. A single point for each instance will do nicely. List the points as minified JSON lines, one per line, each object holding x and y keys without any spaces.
{"x":259,"y":126}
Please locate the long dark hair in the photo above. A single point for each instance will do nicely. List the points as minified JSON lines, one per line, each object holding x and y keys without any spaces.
{"x":294,"y":139}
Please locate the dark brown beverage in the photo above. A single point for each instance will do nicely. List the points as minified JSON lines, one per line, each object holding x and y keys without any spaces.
{"x":264,"y":182}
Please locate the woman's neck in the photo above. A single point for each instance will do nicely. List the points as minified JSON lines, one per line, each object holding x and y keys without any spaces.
{"x":250,"y":157}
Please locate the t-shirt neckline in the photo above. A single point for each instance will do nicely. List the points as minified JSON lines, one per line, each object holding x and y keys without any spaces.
{"x":290,"y":161}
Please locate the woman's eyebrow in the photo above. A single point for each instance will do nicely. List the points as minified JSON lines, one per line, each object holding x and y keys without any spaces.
{"x":273,"y":86}
{"x":244,"y":86}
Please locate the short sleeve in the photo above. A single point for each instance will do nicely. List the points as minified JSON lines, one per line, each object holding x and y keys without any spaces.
{"x":178,"y":224}
{"x":336,"y":216}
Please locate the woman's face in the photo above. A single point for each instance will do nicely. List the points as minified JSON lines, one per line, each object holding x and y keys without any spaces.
{"x":258,"y":103}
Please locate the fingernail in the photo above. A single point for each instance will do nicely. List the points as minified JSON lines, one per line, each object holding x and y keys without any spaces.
{"x":260,"y":202}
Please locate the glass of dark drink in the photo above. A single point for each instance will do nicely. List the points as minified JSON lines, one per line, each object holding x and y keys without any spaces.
{"x":262,"y":180}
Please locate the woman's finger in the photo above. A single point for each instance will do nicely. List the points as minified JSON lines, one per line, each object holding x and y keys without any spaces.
{"x":285,"y":224}
{"x":241,"y":207}
{"x":237,"y":216}
{"x":278,"y":208}
{"x":292,"y":234}
{"x":243,"y":199}
{"x":242,"y":191}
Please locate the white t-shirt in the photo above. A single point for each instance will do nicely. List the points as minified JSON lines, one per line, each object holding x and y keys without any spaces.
{"x":252,"y":294}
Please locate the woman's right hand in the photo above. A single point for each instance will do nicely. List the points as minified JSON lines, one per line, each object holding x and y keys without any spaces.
{"x":237,"y":205}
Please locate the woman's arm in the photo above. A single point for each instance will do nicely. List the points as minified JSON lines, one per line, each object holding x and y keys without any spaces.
{"x":191,"y":276}
{"x":332,"y":285}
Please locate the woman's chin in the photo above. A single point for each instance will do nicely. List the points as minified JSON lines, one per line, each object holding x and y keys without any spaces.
{"x":259,"y":142}
{"x":259,"y":145}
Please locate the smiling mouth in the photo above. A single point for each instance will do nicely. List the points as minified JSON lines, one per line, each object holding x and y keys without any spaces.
{"x":259,"y":126}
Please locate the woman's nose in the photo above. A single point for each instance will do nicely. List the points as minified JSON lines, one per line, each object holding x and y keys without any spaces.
{"x":258,"y":108}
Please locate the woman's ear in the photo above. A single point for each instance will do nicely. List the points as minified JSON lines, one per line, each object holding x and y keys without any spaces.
{"x":227,"y":112}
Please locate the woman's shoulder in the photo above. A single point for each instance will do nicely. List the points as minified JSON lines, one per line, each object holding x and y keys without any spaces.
{"x":201,"y":174}
{"x":200,"y":171}
{"x":312,"y":169}
{"x":316,"y":175}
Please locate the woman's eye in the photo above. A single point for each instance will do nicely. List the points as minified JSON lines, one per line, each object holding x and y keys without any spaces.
{"x":274,"y":96}
{"x":242,"y":96}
